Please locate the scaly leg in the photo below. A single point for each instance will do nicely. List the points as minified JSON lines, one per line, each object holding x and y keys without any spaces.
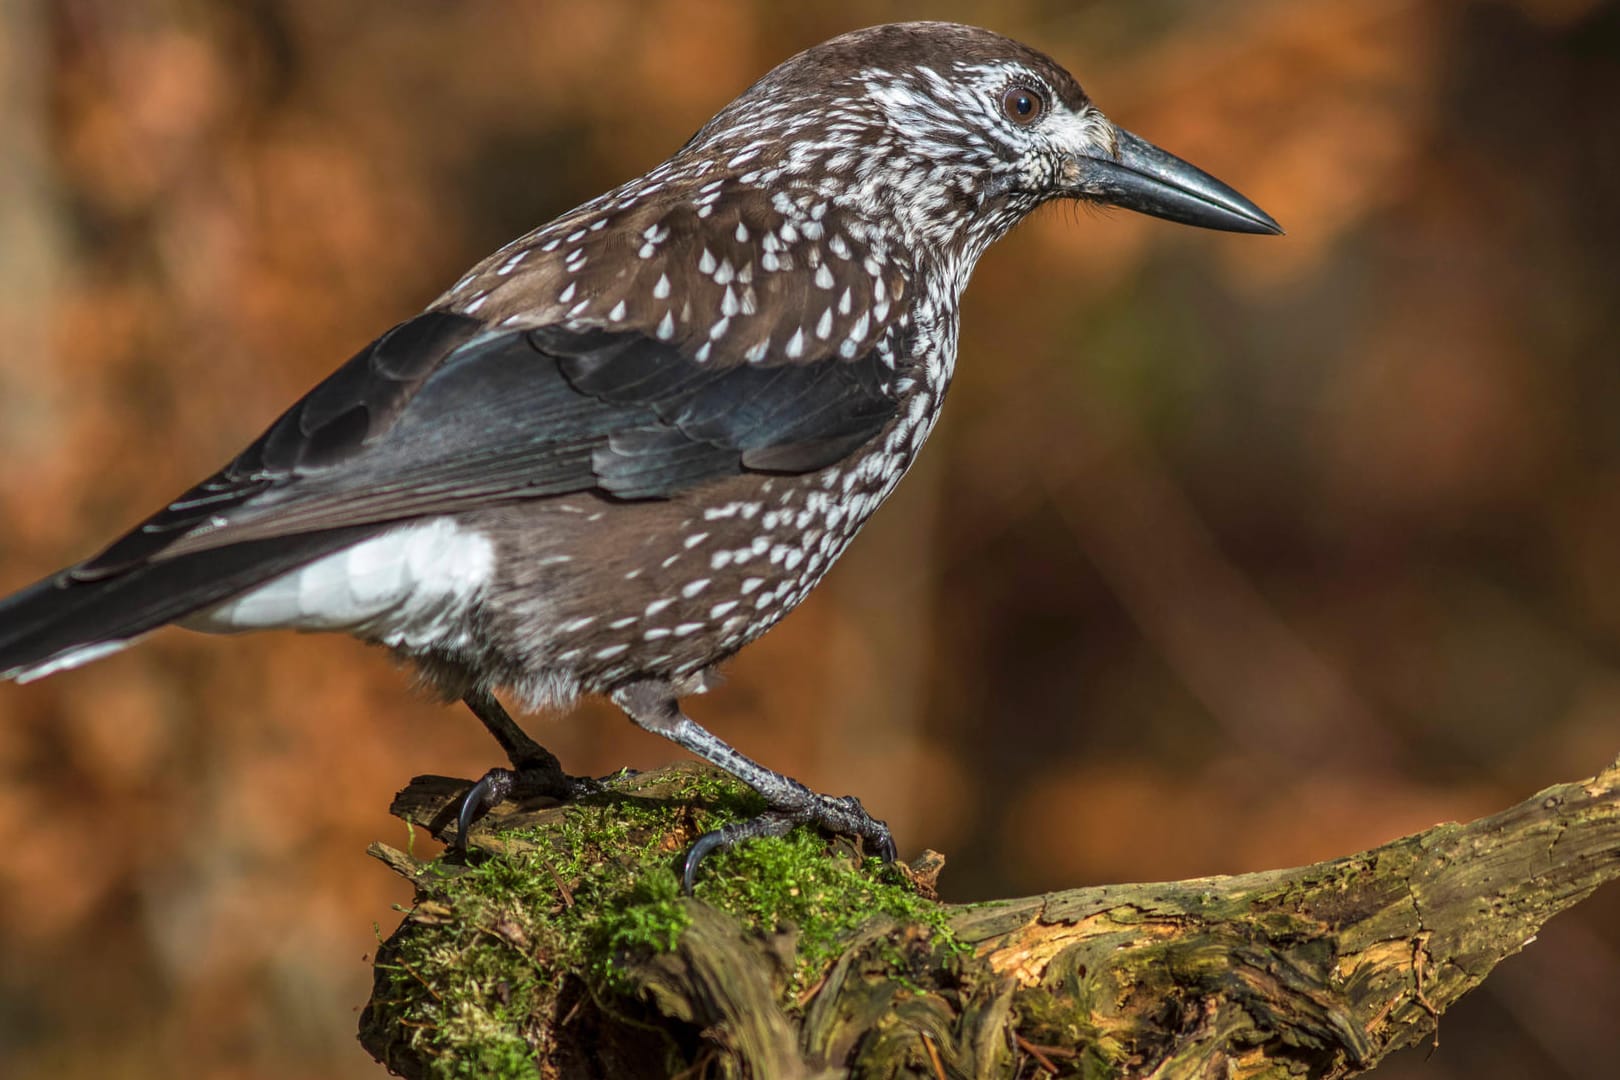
{"x":535,"y":770}
{"x":651,"y":705}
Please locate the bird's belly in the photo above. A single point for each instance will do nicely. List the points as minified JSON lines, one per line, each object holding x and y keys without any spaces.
{"x":608,"y":592}
{"x":411,"y":587}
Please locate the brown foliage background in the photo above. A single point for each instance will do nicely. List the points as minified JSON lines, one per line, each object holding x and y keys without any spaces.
{"x":1229,"y":553}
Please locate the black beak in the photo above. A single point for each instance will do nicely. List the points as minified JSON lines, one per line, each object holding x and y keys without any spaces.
{"x":1146,"y":179}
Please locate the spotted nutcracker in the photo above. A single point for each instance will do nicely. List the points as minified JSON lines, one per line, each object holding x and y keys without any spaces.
{"x":625,"y":445}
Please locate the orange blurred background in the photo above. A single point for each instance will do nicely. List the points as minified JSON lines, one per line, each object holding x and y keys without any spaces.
{"x":1229,"y":553}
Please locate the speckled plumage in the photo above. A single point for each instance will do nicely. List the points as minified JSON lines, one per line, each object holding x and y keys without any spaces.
{"x":626,"y":444}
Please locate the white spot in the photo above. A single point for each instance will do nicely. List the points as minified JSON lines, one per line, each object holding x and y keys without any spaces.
{"x":795,"y":345}
{"x":658,"y":605}
{"x":661,"y":287}
{"x":511,"y":264}
{"x":620,"y":624}
{"x":742,"y":233}
{"x":718,"y":330}
{"x":617,"y":314}
{"x":750,"y":584}
{"x":576,"y":624}
{"x":720,"y":609}
{"x":694,"y":540}
{"x":824,"y":325}
{"x":611,"y":651}
{"x":476,"y":304}
{"x":686,"y":629}
{"x":691,"y":589}
{"x":656,"y":632}
{"x":568,"y":293}
{"x":666,"y":326}
{"x":706,"y":263}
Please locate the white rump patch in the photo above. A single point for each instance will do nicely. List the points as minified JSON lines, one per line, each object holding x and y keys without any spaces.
{"x":409,"y":588}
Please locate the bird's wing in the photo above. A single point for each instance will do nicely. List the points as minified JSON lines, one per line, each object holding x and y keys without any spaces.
{"x":443,"y":413}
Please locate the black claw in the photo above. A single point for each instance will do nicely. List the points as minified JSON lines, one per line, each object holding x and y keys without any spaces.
{"x":492,"y":788}
{"x":498,"y":785}
{"x":841,"y":816}
{"x":771,"y":823}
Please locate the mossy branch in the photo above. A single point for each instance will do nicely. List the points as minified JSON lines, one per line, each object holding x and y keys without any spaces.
{"x":565,"y":950}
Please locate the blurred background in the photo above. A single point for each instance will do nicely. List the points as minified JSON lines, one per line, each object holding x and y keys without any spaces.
{"x":1229,"y":553}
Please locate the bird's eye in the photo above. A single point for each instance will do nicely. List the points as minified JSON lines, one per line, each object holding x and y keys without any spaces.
{"x":1022,"y":105}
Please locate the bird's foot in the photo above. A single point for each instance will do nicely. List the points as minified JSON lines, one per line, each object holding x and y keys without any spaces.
{"x":840,"y":815}
{"x":525,"y":782}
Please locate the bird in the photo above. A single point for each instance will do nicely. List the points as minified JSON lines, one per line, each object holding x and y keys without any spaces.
{"x":626,"y":444}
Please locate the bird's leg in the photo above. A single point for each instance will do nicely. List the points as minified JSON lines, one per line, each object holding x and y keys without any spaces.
{"x":535,"y":770}
{"x":651,"y":705}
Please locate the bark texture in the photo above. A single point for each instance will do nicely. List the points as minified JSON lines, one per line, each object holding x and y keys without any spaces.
{"x":1316,"y":971}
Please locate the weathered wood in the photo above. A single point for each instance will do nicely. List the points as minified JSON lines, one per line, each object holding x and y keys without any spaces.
{"x":1317,"y":971}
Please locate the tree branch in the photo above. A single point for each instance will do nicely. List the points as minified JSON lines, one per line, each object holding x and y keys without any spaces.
{"x":567,"y":951}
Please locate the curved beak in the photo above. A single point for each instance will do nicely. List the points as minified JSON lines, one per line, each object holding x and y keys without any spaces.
{"x":1143,"y":178}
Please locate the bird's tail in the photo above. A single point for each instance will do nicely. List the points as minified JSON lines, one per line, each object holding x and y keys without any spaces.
{"x":63,"y":621}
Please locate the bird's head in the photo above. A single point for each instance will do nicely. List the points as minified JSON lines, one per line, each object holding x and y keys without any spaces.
{"x":953,"y":133}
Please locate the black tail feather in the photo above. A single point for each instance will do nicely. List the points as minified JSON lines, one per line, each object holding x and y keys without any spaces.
{"x":59,"y":616}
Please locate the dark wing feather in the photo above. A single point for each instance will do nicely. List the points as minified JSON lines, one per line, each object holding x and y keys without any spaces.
{"x":326,"y":426}
{"x":441,"y":414}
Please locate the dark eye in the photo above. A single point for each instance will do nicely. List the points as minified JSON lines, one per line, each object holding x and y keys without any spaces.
{"x":1022,"y":105}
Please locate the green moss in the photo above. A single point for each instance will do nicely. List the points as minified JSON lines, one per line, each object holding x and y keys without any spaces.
{"x":481,"y":962}
{"x":774,"y":884}
{"x":490,"y":946}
